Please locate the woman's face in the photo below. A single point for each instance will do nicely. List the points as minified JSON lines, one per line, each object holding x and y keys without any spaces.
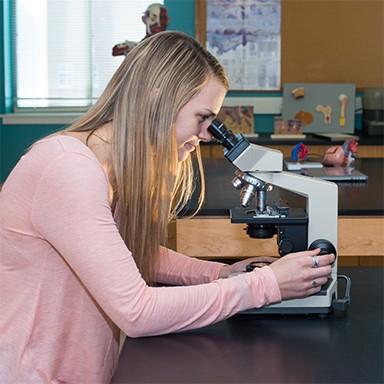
{"x":195,"y":117}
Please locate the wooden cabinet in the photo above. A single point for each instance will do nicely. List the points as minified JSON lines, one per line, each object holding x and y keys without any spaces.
{"x":360,"y":240}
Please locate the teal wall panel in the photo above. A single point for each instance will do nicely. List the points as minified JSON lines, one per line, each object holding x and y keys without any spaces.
{"x":182,"y":15}
{"x":16,"y":139}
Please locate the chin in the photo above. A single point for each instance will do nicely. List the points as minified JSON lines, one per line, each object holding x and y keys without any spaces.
{"x":183,"y":155}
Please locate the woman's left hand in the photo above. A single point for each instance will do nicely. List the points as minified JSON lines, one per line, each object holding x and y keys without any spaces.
{"x":240,"y":266}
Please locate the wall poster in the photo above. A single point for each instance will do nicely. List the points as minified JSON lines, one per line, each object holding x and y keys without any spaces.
{"x":245,"y":36}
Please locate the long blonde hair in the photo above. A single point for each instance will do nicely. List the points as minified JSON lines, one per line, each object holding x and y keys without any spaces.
{"x":155,"y":80}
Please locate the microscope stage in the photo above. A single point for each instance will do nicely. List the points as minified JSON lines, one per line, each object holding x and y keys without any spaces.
{"x":274,"y":216}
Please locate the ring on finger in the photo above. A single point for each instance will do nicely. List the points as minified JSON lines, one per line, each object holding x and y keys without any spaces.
{"x":315,"y":261}
{"x":314,"y":284}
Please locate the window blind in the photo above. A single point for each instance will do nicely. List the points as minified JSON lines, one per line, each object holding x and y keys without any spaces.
{"x":63,"y":48}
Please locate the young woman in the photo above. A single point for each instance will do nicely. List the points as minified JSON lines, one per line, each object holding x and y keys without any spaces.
{"x":84,"y":219}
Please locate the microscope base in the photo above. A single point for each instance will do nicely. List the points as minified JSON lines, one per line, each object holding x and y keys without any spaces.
{"x":321,"y":303}
{"x":287,"y":311}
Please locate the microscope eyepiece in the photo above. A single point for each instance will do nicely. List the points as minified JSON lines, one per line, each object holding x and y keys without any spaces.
{"x":234,"y":145}
{"x":223,"y":135}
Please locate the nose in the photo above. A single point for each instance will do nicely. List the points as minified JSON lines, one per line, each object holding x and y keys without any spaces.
{"x":204,"y":134}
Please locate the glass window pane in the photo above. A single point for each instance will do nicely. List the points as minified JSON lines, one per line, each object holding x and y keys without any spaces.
{"x":64,"y":48}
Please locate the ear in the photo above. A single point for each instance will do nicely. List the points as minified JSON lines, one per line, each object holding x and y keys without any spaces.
{"x":144,"y":19}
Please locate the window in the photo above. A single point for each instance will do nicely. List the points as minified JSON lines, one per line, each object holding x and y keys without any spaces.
{"x":63,"y":48}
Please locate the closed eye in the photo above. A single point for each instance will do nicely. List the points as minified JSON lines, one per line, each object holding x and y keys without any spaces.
{"x":203,"y":118}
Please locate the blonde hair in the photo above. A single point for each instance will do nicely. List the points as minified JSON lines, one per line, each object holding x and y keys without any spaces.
{"x":155,"y":80}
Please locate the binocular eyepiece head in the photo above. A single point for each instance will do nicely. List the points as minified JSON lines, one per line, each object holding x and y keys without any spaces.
{"x":223,"y":135}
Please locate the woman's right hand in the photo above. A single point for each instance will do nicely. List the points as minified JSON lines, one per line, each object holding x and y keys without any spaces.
{"x":296,"y":275}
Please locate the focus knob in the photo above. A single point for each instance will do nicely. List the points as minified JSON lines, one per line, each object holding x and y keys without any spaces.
{"x":325,"y":246}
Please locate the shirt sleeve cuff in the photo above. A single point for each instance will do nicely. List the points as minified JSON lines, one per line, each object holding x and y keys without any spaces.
{"x":272,"y":289}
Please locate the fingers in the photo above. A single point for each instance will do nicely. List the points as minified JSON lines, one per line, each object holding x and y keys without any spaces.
{"x":326,"y":270}
{"x":301,"y":274}
{"x":318,"y":282}
{"x":317,"y":277}
{"x":314,"y":286}
{"x":319,"y":271}
{"x":303,"y":255}
{"x":320,"y":266}
{"x":317,"y":260}
{"x":312,"y":291}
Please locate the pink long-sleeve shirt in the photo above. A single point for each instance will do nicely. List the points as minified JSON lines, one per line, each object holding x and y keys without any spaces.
{"x":68,"y":282}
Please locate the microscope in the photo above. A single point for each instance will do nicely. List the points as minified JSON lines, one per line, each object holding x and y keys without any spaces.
{"x":260,"y":169}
